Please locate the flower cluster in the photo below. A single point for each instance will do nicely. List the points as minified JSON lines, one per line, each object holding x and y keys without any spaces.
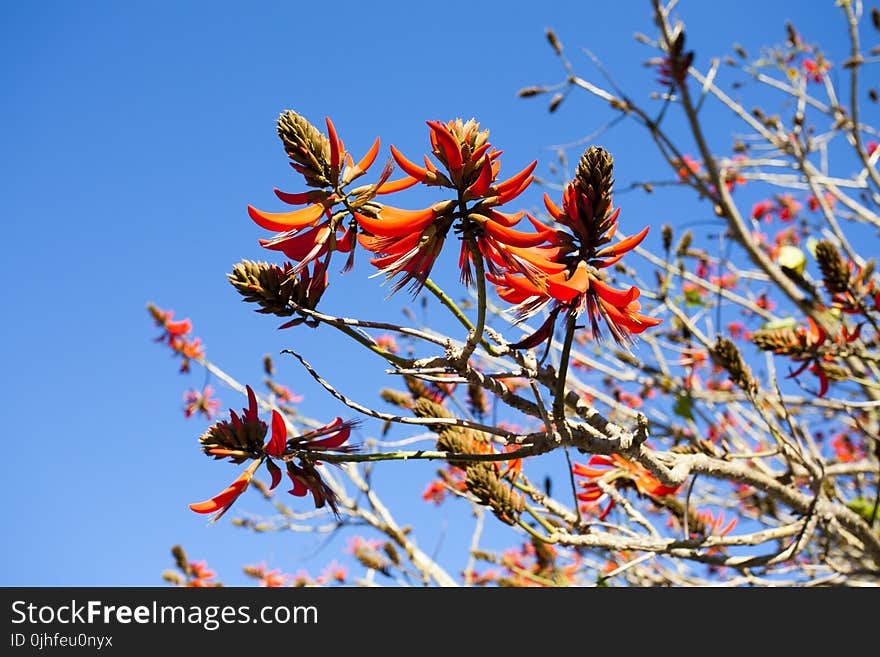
{"x":566,"y":270}
{"x":546,"y":264}
{"x":809,"y":347}
{"x":241,"y":439}
{"x":175,"y":335}
{"x":201,"y":402}
{"x":617,"y":471}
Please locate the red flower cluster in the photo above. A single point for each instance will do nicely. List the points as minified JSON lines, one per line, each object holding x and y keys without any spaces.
{"x":201,"y":402}
{"x":615,"y":469}
{"x":174,"y":334}
{"x":241,"y":439}
{"x":530,"y":269}
{"x":407,"y":242}
{"x":566,"y":269}
{"x":783,"y":206}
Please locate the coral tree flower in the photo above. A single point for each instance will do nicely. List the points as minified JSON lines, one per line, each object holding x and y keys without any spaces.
{"x":615,"y":469}
{"x":315,"y":231}
{"x":406,"y":243}
{"x":241,"y":439}
{"x":174,"y":334}
{"x":566,"y":270}
{"x":201,"y":402}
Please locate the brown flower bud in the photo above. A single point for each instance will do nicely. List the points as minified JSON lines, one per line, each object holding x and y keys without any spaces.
{"x":666,"y":234}
{"x":307,"y":147}
{"x":835,"y":273}
{"x":595,"y":179}
{"x":396,"y":397}
{"x":528,"y":92}
{"x":726,"y":354}
{"x":484,"y":483}
{"x":270,"y":286}
{"x":180,"y":559}
{"x":554,"y":41}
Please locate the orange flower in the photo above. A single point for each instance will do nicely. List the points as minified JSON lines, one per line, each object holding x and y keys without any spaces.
{"x":713,"y":525}
{"x":407,"y":242}
{"x":565,"y":271}
{"x":318,"y":229}
{"x":615,"y":469}
{"x":222,"y":501}
{"x":201,"y":402}
{"x":241,"y":439}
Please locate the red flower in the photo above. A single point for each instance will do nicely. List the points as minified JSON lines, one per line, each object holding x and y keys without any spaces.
{"x":788,"y":207}
{"x":815,"y":69}
{"x":222,"y":501}
{"x":407,"y":242}
{"x":763,"y":210}
{"x":845,"y":449}
{"x":241,"y":439}
{"x":565,"y":271}
{"x":318,"y":229}
{"x":688,"y":167}
{"x":387,"y":342}
{"x":434,"y":492}
{"x":200,"y":576}
{"x":615,"y":468}
{"x":201,"y":402}
{"x":267,"y":578}
{"x":714,"y":525}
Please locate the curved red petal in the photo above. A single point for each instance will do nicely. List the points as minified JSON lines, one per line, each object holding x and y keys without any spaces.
{"x":410,"y":168}
{"x":278,"y":443}
{"x":448,"y":144}
{"x":284,"y":221}
{"x":394,"y":222}
{"x":397,"y":185}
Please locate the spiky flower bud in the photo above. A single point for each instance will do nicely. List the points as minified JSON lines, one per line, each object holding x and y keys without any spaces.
{"x":781,"y":341}
{"x":666,"y":234}
{"x":180,"y":558}
{"x":553,"y":40}
{"x":449,"y":438}
{"x":396,"y":397}
{"x":307,"y":147}
{"x":595,"y":179}
{"x":482,"y":478}
{"x":392,"y":552}
{"x":726,"y":354}
{"x":835,"y":273}
{"x":484,"y":483}
{"x":528,"y":92}
{"x":684,"y":243}
{"x":270,"y":286}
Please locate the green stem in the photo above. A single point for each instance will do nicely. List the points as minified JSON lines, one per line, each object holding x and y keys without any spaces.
{"x":559,"y":395}
{"x":476,"y":334}
{"x":530,"y":530}
{"x":537,"y":516}
{"x":415,"y":456}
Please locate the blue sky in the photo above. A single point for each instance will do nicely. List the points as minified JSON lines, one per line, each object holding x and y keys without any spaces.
{"x":135,"y":134}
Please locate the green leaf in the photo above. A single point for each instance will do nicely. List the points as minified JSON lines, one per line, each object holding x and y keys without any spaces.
{"x":683,"y":405}
{"x":863,"y":506}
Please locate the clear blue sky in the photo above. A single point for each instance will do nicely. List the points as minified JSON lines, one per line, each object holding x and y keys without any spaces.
{"x":134,"y":135}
